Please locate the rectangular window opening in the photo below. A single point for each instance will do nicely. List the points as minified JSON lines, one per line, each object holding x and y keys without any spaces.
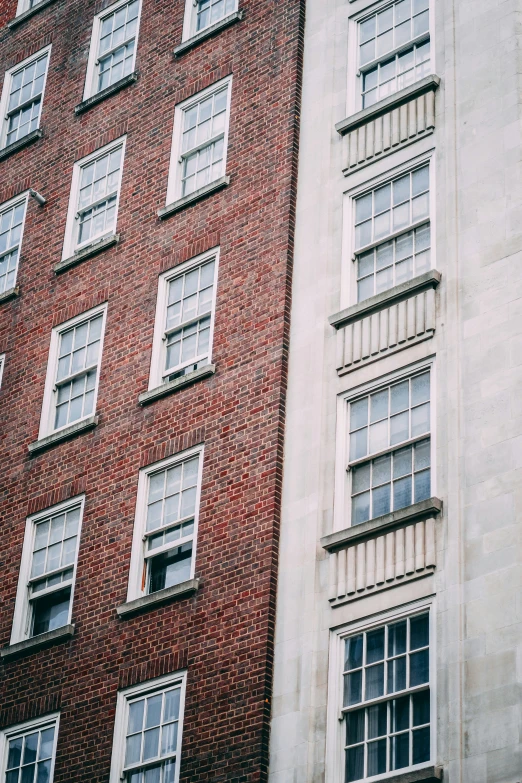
{"x":12,"y":218}
{"x":22,"y":97}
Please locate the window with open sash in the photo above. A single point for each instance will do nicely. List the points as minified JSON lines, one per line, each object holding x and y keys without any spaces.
{"x":390,"y":448}
{"x":23,"y":96}
{"x":394,"y":49}
{"x":113,"y":46}
{"x":12,"y":217}
{"x":29,"y":752}
{"x":392,"y":233}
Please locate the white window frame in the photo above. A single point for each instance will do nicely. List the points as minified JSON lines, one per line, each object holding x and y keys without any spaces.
{"x":343,"y":479}
{"x":190,"y":19}
{"x":91,"y":76}
{"x":70,"y":244}
{"x":48,"y":405}
{"x":121,"y":717}
{"x":7,"y":87}
{"x":23,"y":6}
{"x":22,"y":612}
{"x":354,"y":81}
{"x":349,"y":268}
{"x":176,"y":162}
{"x":2,"y":365}
{"x":14,"y":202}
{"x":336,"y":726}
{"x":138,"y":560}
{"x":157,"y":364}
{"x":45,"y":722}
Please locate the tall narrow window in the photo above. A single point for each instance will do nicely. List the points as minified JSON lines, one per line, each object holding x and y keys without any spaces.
{"x":185,"y":320}
{"x":386,"y":698}
{"x":12,"y":217}
{"x":113,"y":46}
{"x":22,"y":97}
{"x":390,"y":449}
{"x":2,"y":362}
{"x":148,"y":732}
{"x":166,"y":524}
{"x":28,"y":751}
{"x":73,"y":372}
{"x":94,"y":199}
{"x":200,"y":141}
{"x":48,"y":570}
{"x":394,"y":49}
{"x":393,"y":233}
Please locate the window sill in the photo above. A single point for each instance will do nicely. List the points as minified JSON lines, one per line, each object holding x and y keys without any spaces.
{"x":208,"y":32}
{"x":106,"y":93}
{"x":178,"y":383}
{"x":37,"y":642}
{"x":182,"y":590}
{"x":11,"y":293}
{"x":186,"y":201}
{"x":430,"y":774}
{"x":86,"y":252}
{"x":65,"y":434}
{"x":428,"y":84}
{"x":356,"y":312}
{"x":21,"y":143}
{"x":375,"y":527}
{"x":21,"y":18}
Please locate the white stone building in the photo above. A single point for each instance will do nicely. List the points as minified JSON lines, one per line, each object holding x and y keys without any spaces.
{"x":399,"y":616}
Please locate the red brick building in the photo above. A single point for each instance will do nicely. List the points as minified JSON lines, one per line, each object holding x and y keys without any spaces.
{"x":148,"y":156}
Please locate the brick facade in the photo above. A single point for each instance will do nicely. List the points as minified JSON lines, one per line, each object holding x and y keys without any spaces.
{"x":223,"y":635}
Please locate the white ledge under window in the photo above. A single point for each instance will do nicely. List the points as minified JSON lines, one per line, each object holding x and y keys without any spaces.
{"x":25,"y":141}
{"x":183,"y":590}
{"x":67,"y":432}
{"x":431,"y":774}
{"x":86,"y":252}
{"x":190,"y":43}
{"x":393,"y":295}
{"x":428,"y":84}
{"x":11,"y":293}
{"x":47,"y":639}
{"x":181,"y":203}
{"x":177,"y":383}
{"x":375,"y":527}
{"x":131,"y":78}
{"x":21,"y":18}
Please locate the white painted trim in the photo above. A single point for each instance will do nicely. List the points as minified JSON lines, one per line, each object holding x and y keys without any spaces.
{"x":175,"y":166}
{"x":13,"y":202}
{"x":91,"y":73}
{"x":7,"y":84}
{"x":69,"y":243}
{"x":137,"y":561}
{"x":190,"y":19}
{"x":24,"y":728}
{"x":342,"y":481}
{"x":158,"y":344}
{"x":334,"y":766}
{"x":21,"y":617}
{"x":48,"y":404}
{"x":2,"y":365}
{"x":122,"y":711}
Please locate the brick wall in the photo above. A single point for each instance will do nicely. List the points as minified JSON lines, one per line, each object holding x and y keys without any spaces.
{"x":224,"y":634}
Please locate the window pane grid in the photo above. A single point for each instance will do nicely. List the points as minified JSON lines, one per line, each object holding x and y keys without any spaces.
{"x":54,"y":549}
{"x":98,"y":195}
{"x":391,"y":733}
{"x":152,"y":734}
{"x":25,"y":99}
{"x":11,"y":224}
{"x":396,"y":73}
{"x":29,"y":756}
{"x":211,"y":11}
{"x":202,"y":146}
{"x":117,"y":45}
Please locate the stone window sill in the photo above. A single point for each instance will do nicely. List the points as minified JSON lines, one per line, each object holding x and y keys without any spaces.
{"x":428,"y":84}
{"x":430,"y":774}
{"x":37,"y":642}
{"x":58,"y":437}
{"x":375,"y":527}
{"x":21,"y":143}
{"x":190,"y":43}
{"x":21,"y":18}
{"x":182,"y":590}
{"x":86,"y":252}
{"x":356,"y":312}
{"x":11,"y":293}
{"x":106,"y":93}
{"x":186,"y":201}
{"x":178,"y":383}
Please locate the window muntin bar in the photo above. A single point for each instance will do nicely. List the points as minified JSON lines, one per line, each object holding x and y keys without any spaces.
{"x":203,"y":141}
{"x":385,"y":423}
{"x":386,"y":698}
{"x":98,"y":196}
{"x":116,"y":48}
{"x":209,"y":12}
{"x":393,"y":74}
{"x":11,"y":226}
{"x":30,"y":755}
{"x":25,"y":99}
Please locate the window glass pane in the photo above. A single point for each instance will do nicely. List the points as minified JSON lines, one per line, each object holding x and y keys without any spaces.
{"x":51,"y":611}
{"x":375,"y":646}
{"x":361,"y":479}
{"x":381,"y":500}
{"x":397,"y":675}
{"x":374,"y":681}
{"x":419,"y":631}
{"x":376,"y":757}
{"x":419,"y":668}
{"x":355,"y":763}
{"x":355,"y":727}
{"x":361,"y":508}
{"x":170,"y":568}
{"x":353,"y":652}
{"x":353,"y":688}
{"x":421,"y":745}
